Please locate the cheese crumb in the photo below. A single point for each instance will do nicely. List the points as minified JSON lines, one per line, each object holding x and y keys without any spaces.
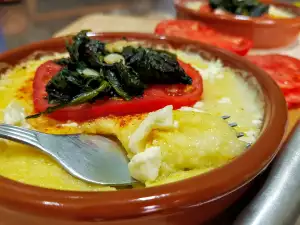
{"x":14,"y":114}
{"x":189,"y":109}
{"x":195,"y":5}
{"x":145,"y":166}
{"x":213,"y":71}
{"x":176,"y":124}
{"x":280,"y":13}
{"x":161,"y":119}
{"x":224,"y":100}
{"x":198,"y":105}
{"x":73,"y":124}
{"x":220,"y":11}
{"x":257,"y":122}
{"x":250,"y":136}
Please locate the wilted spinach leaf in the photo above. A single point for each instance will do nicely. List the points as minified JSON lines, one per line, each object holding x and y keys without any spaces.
{"x":155,"y":66}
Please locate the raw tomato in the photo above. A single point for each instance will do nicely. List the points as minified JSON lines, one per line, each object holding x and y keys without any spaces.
{"x":199,"y":32}
{"x":285,"y":70}
{"x":154,"y":98}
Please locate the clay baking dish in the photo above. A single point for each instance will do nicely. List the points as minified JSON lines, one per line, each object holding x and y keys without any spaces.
{"x":264,"y":32}
{"x":188,"y":202}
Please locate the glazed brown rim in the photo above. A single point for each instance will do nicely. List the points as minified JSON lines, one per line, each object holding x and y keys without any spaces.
{"x":167,"y":198}
{"x":267,"y":22}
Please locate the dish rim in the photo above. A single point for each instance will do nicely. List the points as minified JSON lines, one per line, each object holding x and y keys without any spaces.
{"x":168,"y":197}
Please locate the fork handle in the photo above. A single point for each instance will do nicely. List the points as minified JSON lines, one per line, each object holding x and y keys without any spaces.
{"x":278,"y":202}
{"x":19,"y":134}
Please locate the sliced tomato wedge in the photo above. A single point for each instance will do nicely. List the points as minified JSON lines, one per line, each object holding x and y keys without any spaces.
{"x":199,"y":32}
{"x":154,"y":98}
{"x":285,"y":70}
{"x":293,"y":99}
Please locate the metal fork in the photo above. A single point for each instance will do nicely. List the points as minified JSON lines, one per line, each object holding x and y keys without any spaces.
{"x":93,"y":158}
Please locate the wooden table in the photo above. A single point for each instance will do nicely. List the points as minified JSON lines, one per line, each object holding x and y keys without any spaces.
{"x":102,"y":23}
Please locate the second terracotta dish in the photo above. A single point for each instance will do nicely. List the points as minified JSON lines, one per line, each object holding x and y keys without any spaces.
{"x":264,"y":32}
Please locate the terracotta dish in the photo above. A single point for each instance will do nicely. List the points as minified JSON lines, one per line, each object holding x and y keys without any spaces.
{"x":264,"y":32}
{"x":189,"y":202}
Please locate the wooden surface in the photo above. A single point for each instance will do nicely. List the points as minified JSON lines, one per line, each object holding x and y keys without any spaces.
{"x":105,"y":23}
{"x":102,"y":23}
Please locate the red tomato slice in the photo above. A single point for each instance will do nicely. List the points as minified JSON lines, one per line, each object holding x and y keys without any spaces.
{"x":285,"y":70}
{"x":199,"y":32}
{"x":154,"y":98}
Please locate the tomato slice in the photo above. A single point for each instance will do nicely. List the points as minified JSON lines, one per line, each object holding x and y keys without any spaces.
{"x":285,"y":70}
{"x":199,"y":32}
{"x":154,"y":98}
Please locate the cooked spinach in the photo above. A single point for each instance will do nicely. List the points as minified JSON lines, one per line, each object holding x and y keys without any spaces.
{"x":252,"y":8}
{"x":155,"y":66}
{"x":86,"y":77}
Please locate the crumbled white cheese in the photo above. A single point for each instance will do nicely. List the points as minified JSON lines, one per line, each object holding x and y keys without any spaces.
{"x":250,"y":136}
{"x":224,"y":100}
{"x":189,"y":109}
{"x":176,"y":124}
{"x":213,"y":71}
{"x":161,"y":119}
{"x":220,"y":11}
{"x":145,"y":166}
{"x":198,"y":105}
{"x":14,"y":114}
{"x":257,"y":122}
{"x":195,"y":5}
{"x":220,"y":76}
{"x":73,"y":124}
{"x":278,"y":12}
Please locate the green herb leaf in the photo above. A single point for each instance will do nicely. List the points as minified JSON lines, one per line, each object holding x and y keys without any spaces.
{"x":115,"y":81}
{"x":159,"y":67}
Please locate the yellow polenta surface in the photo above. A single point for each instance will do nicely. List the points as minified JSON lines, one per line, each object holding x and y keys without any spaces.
{"x":23,"y":163}
{"x":202,"y":142}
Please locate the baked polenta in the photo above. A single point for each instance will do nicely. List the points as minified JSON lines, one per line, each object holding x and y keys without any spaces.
{"x":163,"y":145}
